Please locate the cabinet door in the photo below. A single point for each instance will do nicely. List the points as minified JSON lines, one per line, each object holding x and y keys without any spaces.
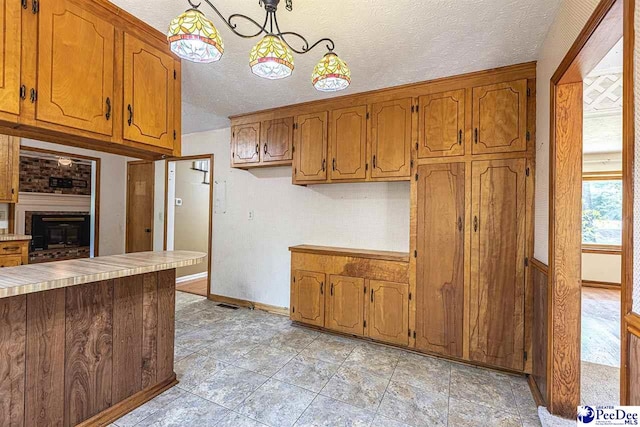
{"x":11,"y":39}
{"x":348,"y":141}
{"x":308,"y":297}
{"x":391,"y":139}
{"x":388,"y":312}
{"x":9,"y":168}
{"x":246,"y":144}
{"x":440,"y":262}
{"x":497,"y":263}
{"x":10,"y":261}
{"x":310,"y":154}
{"x":500,"y":118}
{"x":345,"y":312}
{"x":148,"y":94}
{"x":75,"y":68}
{"x":277,"y":140}
{"x":442,"y":124}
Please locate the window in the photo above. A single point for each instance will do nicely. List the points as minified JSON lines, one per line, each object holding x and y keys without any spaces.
{"x":602,"y":210}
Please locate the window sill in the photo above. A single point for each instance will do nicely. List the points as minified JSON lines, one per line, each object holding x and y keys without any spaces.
{"x":602,"y":249}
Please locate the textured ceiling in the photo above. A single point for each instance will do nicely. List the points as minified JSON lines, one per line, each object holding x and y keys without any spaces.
{"x":385,"y":43}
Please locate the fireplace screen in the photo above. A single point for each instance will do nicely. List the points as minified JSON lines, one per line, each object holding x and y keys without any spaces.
{"x":60,"y":231}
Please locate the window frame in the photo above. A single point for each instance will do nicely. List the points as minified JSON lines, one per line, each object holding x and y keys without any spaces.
{"x":600,"y":248}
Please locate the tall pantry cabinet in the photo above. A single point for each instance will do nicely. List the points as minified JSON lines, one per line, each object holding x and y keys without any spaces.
{"x":471,"y":223}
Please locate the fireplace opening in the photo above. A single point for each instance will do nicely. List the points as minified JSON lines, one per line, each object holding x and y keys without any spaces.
{"x":60,"y":231}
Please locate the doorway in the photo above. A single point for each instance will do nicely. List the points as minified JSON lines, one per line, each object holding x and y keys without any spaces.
{"x":140,"y":199}
{"x":189,"y":212}
{"x":578,"y":216}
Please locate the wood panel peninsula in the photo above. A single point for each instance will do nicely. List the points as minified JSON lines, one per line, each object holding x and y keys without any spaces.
{"x":85,"y":341}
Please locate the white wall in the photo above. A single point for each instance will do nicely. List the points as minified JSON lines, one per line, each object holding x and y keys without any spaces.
{"x":113,"y":174}
{"x":569,"y":21}
{"x":250,"y":257}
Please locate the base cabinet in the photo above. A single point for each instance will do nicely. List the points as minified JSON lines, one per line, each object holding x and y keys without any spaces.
{"x":388,"y":312}
{"x":345,"y":308}
{"x":308,"y":297}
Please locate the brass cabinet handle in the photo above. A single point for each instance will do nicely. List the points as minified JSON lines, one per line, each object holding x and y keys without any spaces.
{"x":23,"y":92}
{"x":321,"y":288}
{"x":475,"y":223}
{"x":130,"y":109}
{"x":108,"y":113}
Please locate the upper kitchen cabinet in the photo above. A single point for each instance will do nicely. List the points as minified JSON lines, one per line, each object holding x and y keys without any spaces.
{"x":310,"y":148}
{"x":276,"y":139}
{"x":441,"y":124}
{"x":148,"y":94}
{"x":348,"y":143}
{"x":11,"y":38}
{"x":245,"y":145}
{"x":9,"y":168}
{"x":391,"y":129}
{"x":76,"y":65}
{"x":500,"y":118}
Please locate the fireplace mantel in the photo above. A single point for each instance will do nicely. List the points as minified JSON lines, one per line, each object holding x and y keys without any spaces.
{"x":41,"y":202}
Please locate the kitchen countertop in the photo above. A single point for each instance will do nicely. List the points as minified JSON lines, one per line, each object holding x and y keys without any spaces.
{"x":356,"y":253}
{"x":27,"y":279}
{"x":13,"y":237}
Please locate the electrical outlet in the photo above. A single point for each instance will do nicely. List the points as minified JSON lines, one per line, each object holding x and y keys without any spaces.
{"x":251,"y":216}
{"x":178,"y":202}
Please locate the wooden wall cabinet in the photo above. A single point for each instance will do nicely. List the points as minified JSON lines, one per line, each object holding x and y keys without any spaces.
{"x":391,"y":138}
{"x":500,"y":118}
{"x":245,"y":148}
{"x":348,"y":143}
{"x":9,"y":168}
{"x":442,"y":124}
{"x":148,"y":114}
{"x":78,"y":73}
{"x":266,"y":143}
{"x":310,"y":148}
{"x":307,"y":297}
{"x":498,"y":242}
{"x":388,"y":312}
{"x":440,"y":264}
{"x":76,"y":64}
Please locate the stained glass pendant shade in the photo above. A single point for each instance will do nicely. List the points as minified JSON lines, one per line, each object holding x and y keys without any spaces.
{"x":331,"y":74}
{"x":271,"y":58}
{"x":194,"y":37}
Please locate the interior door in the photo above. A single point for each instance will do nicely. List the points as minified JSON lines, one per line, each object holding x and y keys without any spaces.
{"x":388,"y":312}
{"x":148,"y":113}
{"x":246,"y":144}
{"x":440,"y":262}
{"x":75,"y":68}
{"x":496,"y":312}
{"x":345,"y":312}
{"x":348,"y":142}
{"x":140,"y":187}
{"x":442,"y":124}
{"x":11,"y":41}
{"x":500,"y":118}
{"x":277,"y":140}
{"x":391,"y":127}
{"x":308,"y":297}
{"x":9,"y":165}
{"x":310,"y":154}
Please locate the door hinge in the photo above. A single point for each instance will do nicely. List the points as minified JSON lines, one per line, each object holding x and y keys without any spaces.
{"x":367,"y":115}
{"x":528,"y":171}
{"x":528,"y":136}
{"x":409,"y":296}
{"x":365,"y":290}
{"x":415,"y":254}
{"x":175,"y":75}
{"x":293,"y":148}
{"x":35,"y":6}
{"x":417,"y":146}
{"x":295,"y":126}
{"x":233,"y":156}
{"x":174,"y":135}
{"x":364,"y":323}
{"x":526,"y":262}
{"x":411,"y":164}
{"x":413,"y":108}
{"x":525,"y":355}
{"x":293,"y":309}
{"x":528,"y":91}
{"x":417,"y":108}
{"x":416,"y":177}
{"x":409,"y":333}
{"x":294,"y":280}
{"x":414,"y":335}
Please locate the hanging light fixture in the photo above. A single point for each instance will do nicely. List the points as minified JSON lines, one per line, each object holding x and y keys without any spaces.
{"x":194,"y":38}
{"x":331,"y":74}
{"x":271,"y":58}
{"x":65,"y":162}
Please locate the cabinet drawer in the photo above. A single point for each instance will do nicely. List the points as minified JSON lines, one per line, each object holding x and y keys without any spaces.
{"x":11,"y":248}
{"x":10,"y":261}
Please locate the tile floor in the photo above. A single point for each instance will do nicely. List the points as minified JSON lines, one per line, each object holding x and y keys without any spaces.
{"x":249,"y":368}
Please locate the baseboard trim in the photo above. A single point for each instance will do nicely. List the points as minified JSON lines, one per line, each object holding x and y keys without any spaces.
{"x":282,"y":311}
{"x":192,"y":278}
{"x":535,"y":391}
{"x":122,"y":408}
{"x":602,"y":285}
